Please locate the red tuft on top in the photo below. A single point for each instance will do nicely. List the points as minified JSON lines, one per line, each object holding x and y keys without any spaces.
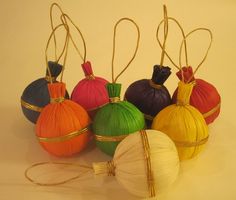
{"x":187,"y":73}
{"x":87,"y":68}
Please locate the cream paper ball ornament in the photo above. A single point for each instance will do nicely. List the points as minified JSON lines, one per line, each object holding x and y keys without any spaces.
{"x":144,"y":163}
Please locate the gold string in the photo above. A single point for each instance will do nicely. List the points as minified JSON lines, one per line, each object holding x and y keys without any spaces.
{"x":63,"y":19}
{"x":102,"y":138}
{"x":213,"y":110}
{"x":27,"y":176}
{"x":165,"y":35}
{"x":30,"y":106}
{"x":163,"y":48}
{"x":114,"y":79}
{"x":63,"y":16}
{"x":64,"y":48}
{"x":154,"y":85}
{"x":191,"y":144}
{"x":64,"y":137}
{"x":204,"y":58}
{"x":150,"y":178}
{"x":114,"y":99}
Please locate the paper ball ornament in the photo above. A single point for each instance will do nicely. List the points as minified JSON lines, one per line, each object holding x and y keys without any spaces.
{"x":62,"y":127}
{"x":150,"y":96}
{"x":183,"y":123}
{"x":115,"y":120}
{"x":90,"y":92}
{"x":204,"y":96}
{"x":36,"y":96}
{"x":144,"y":163}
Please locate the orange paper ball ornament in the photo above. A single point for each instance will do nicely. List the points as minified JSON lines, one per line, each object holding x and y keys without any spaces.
{"x":62,"y":127}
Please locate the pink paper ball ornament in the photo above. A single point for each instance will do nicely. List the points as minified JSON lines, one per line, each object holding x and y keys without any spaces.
{"x":91,"y":91}
{"x":205,"y":96}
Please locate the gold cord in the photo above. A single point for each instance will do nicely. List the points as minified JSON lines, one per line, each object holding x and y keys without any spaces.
{"x":65,"y":48}
{"x":63,"y":16}
{"x":114,"y":79}
{"x":150,"y":178}
{"x":64,"y":137}
{"x":204,"y":58}
{"x":165,"y":35}
{"x":27,"y":176}
{"x":163,"y":47}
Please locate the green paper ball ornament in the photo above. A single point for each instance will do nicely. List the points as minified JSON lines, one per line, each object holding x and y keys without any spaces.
{"x":114,"y":121}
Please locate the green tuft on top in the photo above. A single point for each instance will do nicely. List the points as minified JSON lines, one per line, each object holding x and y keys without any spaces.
{"x":113,"y":89}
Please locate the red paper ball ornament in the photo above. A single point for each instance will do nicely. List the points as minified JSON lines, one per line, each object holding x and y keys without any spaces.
{"x":90,"y":92}
{"x":62,"y":127}
{"x":204,"y":97}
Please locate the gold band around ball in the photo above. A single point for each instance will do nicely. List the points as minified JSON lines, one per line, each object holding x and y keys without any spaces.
{"x":57,"y":100}
{"x":212,"y":111}
{"x":150,"y":178}
{"x":191,"y":144}
{"x":154,"y":85}
{"x":148,"y":117}
{"x":102,"y":138}
{"x":30,"y":106}
{"x":64,"y":137}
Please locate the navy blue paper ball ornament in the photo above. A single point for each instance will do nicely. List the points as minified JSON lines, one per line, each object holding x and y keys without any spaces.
{"x":35,"y":96}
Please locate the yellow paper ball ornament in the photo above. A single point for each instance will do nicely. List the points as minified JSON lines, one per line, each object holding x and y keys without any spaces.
{"x":145,"y":163}
{"x":183,"y":123}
